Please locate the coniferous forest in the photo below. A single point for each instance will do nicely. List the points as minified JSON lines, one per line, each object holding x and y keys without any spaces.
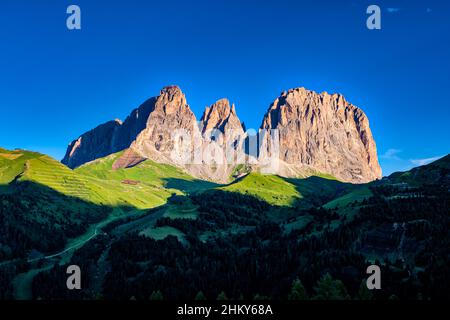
{"x":256,"y":258}
{"x":216,"y":243}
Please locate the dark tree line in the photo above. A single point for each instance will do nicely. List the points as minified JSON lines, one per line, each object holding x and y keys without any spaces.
{"x":41,"y":219}
{"x":265,"y":262}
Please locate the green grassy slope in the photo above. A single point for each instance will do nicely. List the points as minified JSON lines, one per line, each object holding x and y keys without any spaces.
{"x":435,"y":172}
{"x":305,"y":192}
{"x":12,"y":163}
{"x":147,"y":173}
{"x":318,"y":190}
{"x":272,"y":189}
{"x":96,"y":182}
{"x":43,"y":199}
{"x":152,"y":183}
{"x":427,"y":174}
{"x":358,"y":194}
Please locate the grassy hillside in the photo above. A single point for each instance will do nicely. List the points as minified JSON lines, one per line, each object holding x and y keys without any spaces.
{"x":278,"y":191}
{"x":272,"y":189}
{"x":147,"y":173}
{"x":47,"y":208}
{"x":12,"y":163}
{"x":149,"y":184}
{"x":144,"y":186}
{"x":357,"y":194}
{"x":435,"y":172}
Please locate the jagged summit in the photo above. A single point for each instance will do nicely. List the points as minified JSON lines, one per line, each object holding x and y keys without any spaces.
{"x":171,"y":90}
{"x":220,"y":116}
{"x":171,"y":99}
{"x":325,"y":132}
{"x":318,"y":132}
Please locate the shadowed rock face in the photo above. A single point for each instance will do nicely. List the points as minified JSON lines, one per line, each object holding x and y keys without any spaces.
{"x":93,"y":144}
{"x":108,"y":138}
{"x":324,"y":132}
{"x":318,"y":133}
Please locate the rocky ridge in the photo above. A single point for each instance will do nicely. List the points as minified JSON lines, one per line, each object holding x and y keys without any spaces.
{"x":314,"y":133}
{"x":323,"y":132}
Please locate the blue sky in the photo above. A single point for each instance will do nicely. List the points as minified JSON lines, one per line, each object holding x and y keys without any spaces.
{"x":56,"y":84}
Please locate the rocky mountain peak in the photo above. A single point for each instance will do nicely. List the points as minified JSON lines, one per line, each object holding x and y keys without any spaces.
{"x":324,"y":132}
{"x":170,"y":117}
{"x":319,"y":132}
{"x":171,"y":91}
{"x":171,"y":100}
{"x":221,"y":116}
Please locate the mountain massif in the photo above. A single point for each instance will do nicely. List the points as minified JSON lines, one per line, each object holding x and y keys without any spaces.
{"x":303,"y":132}
{"x":324,"y":132}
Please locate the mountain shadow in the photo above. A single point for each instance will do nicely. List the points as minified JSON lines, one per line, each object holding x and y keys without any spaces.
{"x":189,"y":186}
{"x":317,"y":191}
{"x":235,"y":245}
{"x":37,"y":220}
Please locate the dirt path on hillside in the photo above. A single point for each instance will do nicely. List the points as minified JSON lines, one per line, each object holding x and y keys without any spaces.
{"x":23,"y":282}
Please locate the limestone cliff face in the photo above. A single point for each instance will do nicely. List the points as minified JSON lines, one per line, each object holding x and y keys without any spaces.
{"x":323,"y":132}
{"x":203,"y":151}
{"x":317,"y":133}
{"x":221,"y":123}
{"x":221,"y":116}
{"x":223,"y":138}
{"x":170,"y":121}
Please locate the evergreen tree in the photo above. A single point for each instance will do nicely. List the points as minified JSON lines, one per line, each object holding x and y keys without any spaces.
{"x":329,"y":289}
{"x":98,"y":296}
{"x":222,"y":296}
{"x":298,"y":291}
{"x":156,"y":295}
{"x":363,"y":293}
{"x":200,"y":296}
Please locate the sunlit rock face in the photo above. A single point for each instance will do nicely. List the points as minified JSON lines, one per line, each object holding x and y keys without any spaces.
{"x":302,"y":133}
{"x":174,"y":136}
{"x":325,"y":133}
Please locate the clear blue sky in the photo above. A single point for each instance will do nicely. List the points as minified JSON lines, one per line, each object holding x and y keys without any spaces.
{"x":56,"y":84}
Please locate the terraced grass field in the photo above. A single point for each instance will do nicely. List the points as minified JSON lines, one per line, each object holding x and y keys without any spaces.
{"x":12,"y":163}
{"x":150,"y":184}
{"x":96,"y":182}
